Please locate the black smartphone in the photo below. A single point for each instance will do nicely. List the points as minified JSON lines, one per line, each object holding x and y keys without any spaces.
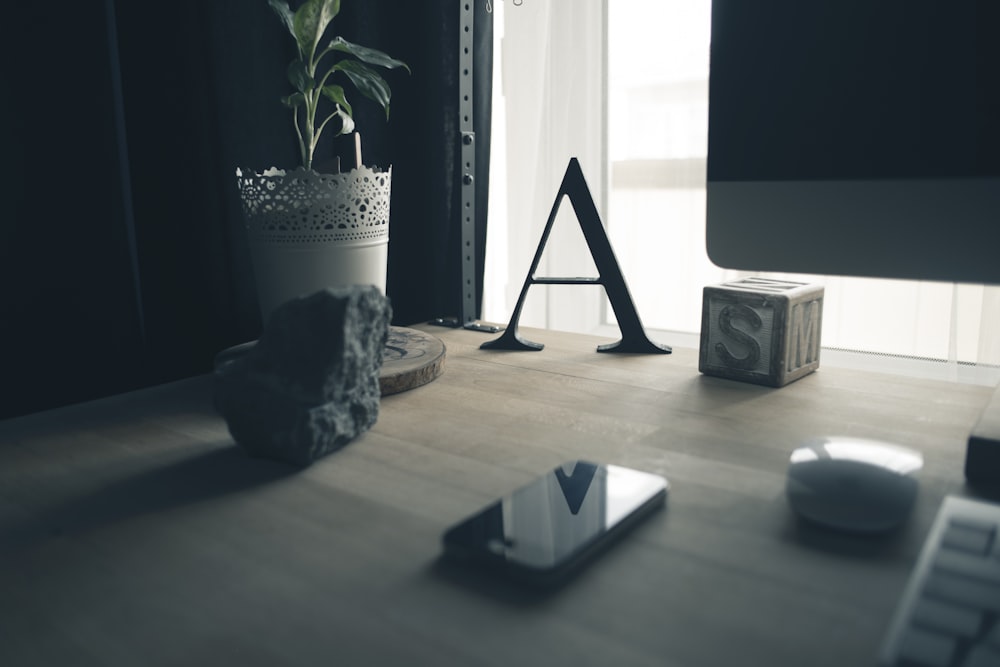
{"x":545,"y":531}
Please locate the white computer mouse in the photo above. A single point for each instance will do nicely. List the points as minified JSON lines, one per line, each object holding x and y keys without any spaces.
{"x":853,"y":484}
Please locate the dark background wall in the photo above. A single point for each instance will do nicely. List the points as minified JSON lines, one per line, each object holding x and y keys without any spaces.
{"x":123,"y":261}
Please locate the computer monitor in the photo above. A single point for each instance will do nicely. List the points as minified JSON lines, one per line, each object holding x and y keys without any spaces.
{"x":852,"y":137}
{"x":859,"y":138}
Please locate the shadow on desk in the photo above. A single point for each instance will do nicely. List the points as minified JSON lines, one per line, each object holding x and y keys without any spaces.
{"x":886,"y":545}
{"x":492,"y":584}
{"x":221,"y":471}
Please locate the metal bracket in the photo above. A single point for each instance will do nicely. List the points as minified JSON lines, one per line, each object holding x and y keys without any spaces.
{"x":467,"y":155}
{"x":468,"y":162}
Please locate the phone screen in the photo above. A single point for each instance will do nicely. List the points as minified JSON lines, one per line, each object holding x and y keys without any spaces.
{"x":549,"y":525}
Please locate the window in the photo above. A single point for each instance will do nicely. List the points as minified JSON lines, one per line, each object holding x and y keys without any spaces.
{"x":623,"y":86}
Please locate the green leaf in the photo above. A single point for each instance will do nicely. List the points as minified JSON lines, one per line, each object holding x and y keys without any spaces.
{"x":294,"y":100}
{"x":299,"y":76}
{"x":284,"y":12}
{"x":368,"y":82}
{"x":346,"y":122}
{"x":310,"y":22}
{"x":336,"y":95}
{"x":370,"y":56}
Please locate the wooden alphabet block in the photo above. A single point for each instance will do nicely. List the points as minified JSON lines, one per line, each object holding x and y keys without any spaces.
{"x":761,"y":330}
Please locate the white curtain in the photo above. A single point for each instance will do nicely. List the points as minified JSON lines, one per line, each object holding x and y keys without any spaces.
{"x":552,"y":57}
{"x":988,"y":351}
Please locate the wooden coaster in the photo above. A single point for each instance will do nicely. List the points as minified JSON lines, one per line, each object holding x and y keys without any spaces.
{"x":412,"y":358}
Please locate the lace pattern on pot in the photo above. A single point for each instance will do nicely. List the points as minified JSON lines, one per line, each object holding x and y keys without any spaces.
{"x":308,"y":207}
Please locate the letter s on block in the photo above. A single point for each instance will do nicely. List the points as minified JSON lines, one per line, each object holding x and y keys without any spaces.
{"x":750,"y":316}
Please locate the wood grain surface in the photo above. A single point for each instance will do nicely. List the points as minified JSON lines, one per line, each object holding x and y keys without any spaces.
{"x":134,"y":532}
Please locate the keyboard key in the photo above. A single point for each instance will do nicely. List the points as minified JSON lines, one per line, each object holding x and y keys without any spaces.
{"x":986,"y":570}
{"x":975,"y":522}
{"x":946,"y":617}
{"x":968,"y":535}
{"x":927,"y":648}
{"x":981,"y":656}
{"x":963,"y":591}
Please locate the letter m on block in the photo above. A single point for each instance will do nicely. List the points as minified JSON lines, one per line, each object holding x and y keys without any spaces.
{"x":804,"y":326}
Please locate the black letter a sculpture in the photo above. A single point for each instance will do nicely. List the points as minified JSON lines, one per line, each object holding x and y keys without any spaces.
{"x":610,"y":276}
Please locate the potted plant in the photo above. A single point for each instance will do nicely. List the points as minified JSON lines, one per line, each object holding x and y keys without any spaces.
{"x":309,"y":230}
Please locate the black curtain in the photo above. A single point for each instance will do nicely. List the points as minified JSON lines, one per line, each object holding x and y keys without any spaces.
{"x":123,"y":261}
{"x":70,"y":325}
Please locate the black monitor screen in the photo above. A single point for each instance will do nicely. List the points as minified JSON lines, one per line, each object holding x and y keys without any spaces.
{"x":853,"y":137}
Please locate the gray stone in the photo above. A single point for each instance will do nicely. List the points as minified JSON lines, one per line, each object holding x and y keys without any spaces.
{"x":311,"y":383}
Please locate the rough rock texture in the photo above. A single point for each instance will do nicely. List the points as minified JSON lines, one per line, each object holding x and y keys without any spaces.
{"x":311,"y":383}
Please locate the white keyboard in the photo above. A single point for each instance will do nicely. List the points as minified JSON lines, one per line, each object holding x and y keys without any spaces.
{"x":949,"y":614}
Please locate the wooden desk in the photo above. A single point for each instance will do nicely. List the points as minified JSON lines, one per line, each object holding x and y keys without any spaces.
{"x":133,"y":531}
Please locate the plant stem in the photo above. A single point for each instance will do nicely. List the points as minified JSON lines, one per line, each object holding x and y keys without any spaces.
{"x":306,"y":158}
{"x":327,"y":120}
{"x":309,"y":138}
{"x":312,"y":102}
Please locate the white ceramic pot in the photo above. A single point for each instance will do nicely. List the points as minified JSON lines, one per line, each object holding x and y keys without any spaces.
{"x":308,"y":231}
